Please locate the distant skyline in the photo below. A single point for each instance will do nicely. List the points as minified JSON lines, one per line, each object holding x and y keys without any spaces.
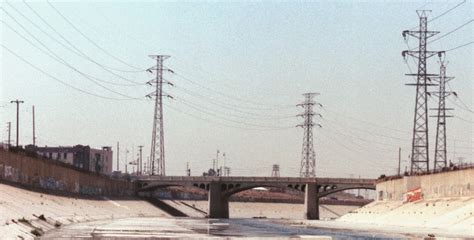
{"x":240,"y":69}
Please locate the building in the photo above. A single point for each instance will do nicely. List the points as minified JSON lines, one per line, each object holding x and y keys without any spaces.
{"x":85,"y":157}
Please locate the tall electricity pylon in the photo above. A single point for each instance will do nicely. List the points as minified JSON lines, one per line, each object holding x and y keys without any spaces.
{"x":276,"y":170}
{"x":308,"y":158}
{"x":440,"y":159}
{"x":157,"y":148}
{"x":419,"y":148}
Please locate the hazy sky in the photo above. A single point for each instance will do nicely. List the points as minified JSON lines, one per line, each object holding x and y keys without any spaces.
{"x":240,"y":69}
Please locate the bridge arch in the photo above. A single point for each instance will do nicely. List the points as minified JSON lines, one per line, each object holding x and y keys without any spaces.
{"x":145,"y":187}
{"x":233,"y":190}
{"x":340,"y":189}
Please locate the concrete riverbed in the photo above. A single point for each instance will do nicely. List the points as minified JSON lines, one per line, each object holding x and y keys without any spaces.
{"x":169,"y":228}
{"x":27,"y":214}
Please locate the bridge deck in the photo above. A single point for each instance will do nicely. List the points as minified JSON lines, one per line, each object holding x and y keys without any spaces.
{"x":290,"y":180}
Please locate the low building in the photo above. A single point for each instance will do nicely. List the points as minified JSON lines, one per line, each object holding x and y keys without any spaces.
{"x":85,"y":157}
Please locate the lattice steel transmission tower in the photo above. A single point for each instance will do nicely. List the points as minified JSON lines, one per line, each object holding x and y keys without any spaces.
{"x":276,"y":170}
{"x":157,"y":148}
{"x":440,"y":156}
{"x":420,"y":146}
{"x":308,"y":158}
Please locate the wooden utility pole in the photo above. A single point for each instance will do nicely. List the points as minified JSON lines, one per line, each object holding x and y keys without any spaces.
{"x":34,"y":134}
{"x":118,"y":155}
{"x":9,"y":126}
{"x":399,"y":159}
{"x":17,"y":118}
{"x":126,"y":163}
{"x":9,"y":134}
{"x":140,"y":160}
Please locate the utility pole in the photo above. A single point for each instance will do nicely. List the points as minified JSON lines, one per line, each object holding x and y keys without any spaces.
{"x":399,"y":159}
{"x":308,"y":159}
{"x":157,"y":152}
{"x":17,"y":118}
{"x":440,"y":156}
{"x":454,"y":150}
{"x":118,"y":155}
{"x":34,"y":133}
{"x":223,"y":164}
{"x":215,"y":162}
{"x":9,"y":134}
{"x":420,"y":146}
{"x":126,"y":160}
{"x":140,"y":160}
{"x":188,"y":170}
{"x":276,"y":170}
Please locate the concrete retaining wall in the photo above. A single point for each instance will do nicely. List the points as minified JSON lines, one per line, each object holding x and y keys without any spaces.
{"x":55,"y":176}
{"x":458,"y":183}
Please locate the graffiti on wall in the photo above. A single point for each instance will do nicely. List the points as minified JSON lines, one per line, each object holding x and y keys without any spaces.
{"x":413,"y":195}
{"x":9,"y":173}
{"x":52,"y":183}
{"x":90,"y":190}
{"x":14,"y":169}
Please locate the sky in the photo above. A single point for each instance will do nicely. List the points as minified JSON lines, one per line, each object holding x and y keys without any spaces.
{"x":240,"y":68}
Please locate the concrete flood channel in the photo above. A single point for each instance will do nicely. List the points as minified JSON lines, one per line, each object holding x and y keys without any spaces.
{"x":166,"y":228}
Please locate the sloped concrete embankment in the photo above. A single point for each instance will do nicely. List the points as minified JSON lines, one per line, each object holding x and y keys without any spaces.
{"x":446,"y":207}
{"x":37,"y":195}
{"x":26,"y":214}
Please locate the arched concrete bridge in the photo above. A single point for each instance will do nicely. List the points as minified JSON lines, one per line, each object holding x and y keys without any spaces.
{"x":221,"y":188}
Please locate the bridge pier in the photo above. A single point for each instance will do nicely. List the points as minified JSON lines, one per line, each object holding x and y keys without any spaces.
{"x":311,"y":201}
{"x":218,"y":202}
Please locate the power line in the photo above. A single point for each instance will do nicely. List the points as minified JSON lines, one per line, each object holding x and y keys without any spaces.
{"x":447,"y":11}
{"x":462,"y":107}
{"x":452,"y":31}
{"x":72,"y":45}
{"x":205,"y":111}
{"x":145,"y":43}
{"x":443,"y":13}
{"x":90,"y":40}
{"x":463,"y":119}
{"x":365,"y":121}
{"x":223,"y":124}
{"x":56,"y":57}
{"x":234,"y":97}
{"x":59,"y":80}
{"x":340,"y":144}
{"x":257,"y":117}
{"x":350,"y":136}
{"x":76,"y":50}
{"x":233,"y":107}
{"x":460,"y":46}
{"x":448,"y":33}
{"x":365,"y":131}
{"x":467,"y":108}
